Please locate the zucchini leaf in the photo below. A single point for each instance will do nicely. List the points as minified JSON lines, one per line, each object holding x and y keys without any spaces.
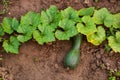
{"x":31,"y":19}
{"x":70,"y":13}
{"x":114,"y":42}
{"x":51,"y":17}
{"x":68,"y":30}
{"x":86,"y":11}
{"x":11,"y":45}
{"x":98,"y":37}
{"x":9,"y":25}
{"x":6,"y":24}
{"x":28,"y":24}
{"x":87,"y":27}
{"x":43,"y":34}
{"x":116,"y":20}
{"x":103,"y":16}
{"x":15,"y":24}
{"x":26,"y":32}
{"x":49,"y":22}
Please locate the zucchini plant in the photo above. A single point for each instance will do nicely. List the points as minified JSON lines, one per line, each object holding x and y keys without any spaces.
{"x":52,"y":24}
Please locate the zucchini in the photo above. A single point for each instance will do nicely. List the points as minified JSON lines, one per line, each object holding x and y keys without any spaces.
{"x":72,"y":58}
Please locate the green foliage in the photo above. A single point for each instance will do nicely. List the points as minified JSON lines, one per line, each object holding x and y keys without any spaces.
{"x":31,"y":19}
{"x":71,"y":14}
{"x":26,"y":32}
{"x":43,"y":35}
{"x":51,"y":17}
{"x":112,"y":78}
{"x":86,"y":11}
{"x":98,"y":37}
{"x":88,"y":27}
{"x":11,"y":45}
{"x":117,"y":73}
{"x":49,"y":22}
{"x":116,"y":20}
{"x":114,"y":42}
{"x":52,"y":24}
{"x":103,"y":16}
{"x":9,"y":25}
{"x":28,"y":24}
{"x":68,"y":31}
{"x":114,"y":75}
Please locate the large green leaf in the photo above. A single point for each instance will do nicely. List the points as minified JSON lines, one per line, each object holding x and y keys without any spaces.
{"x":24,"y":38}
{"x":29,"y":23}
{"x":108,"y":21}
{"x":70,"y":13}
{"x":87,"y":27}
{"x":11,"y":45}
{"x":86,"y":11}
{"x":26,"y":31}
{"x":103,"y":16}
{"x":68,"y":30}
{"x":98,"y":37}
{"x":15,"y":24}
{"x":53,"y":14}
{"x":6,"y":24}
{"x":9,"y":25}
{"x":51,"y":17}
{"x":31,"y":18}
{"x":43,"y":35}
{"x":114,"y":42}
{"x":116,"y":20}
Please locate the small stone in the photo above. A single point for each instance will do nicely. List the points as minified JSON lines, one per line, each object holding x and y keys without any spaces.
{"x":98,"y":63}
{"x":98,"y":56}
{"x":86,"y":1}
{"x":56,"y":66}
{"x":107,"y":64}
{"x":9,"y":13}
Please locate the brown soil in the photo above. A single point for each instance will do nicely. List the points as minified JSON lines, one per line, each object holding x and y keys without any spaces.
{"x":36,"y":62}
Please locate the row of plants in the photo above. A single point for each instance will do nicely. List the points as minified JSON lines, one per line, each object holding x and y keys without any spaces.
{"x":97,"y":25}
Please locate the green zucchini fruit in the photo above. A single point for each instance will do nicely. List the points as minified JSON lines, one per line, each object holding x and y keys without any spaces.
{"x":72,"y":58}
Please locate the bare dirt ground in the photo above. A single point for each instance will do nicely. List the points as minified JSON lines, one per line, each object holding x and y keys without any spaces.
{"x":45,"y":62}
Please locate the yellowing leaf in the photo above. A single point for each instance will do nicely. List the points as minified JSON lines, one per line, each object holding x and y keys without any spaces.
{"x":98,"y":37}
